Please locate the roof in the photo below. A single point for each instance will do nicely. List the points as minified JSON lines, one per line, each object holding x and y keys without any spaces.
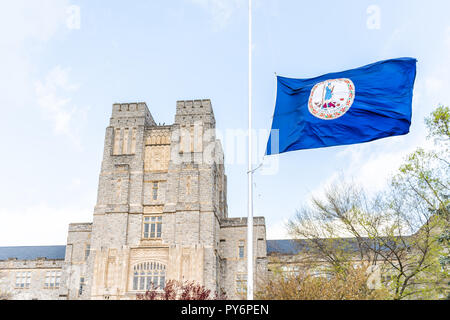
{"x":284,"y":246}
{"x":32,"y":253}
{"x":290,"y":247}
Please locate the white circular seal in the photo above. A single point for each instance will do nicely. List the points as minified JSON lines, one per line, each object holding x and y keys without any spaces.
{"x":331,"y":99}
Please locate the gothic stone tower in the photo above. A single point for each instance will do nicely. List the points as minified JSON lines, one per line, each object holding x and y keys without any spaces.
{"x":161,"y":211}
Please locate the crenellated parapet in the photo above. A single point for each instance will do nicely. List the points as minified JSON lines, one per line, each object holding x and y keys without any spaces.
{"x":131,"y":114}
{"x":161,"y":214}
{"x":190,"y":112}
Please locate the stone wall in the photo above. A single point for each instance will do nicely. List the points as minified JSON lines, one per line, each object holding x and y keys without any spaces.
{"x":38,"y":270}
{"x":234,"y":230}
{"x":174,"y":171}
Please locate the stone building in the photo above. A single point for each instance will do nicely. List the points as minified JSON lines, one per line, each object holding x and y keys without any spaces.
{"x":161,"y":214}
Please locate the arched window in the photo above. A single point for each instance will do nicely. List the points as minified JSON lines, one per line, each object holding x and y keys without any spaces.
{"x":149,"y":275}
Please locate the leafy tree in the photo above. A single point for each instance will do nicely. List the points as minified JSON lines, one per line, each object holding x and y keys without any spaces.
{"x":403,"y":231}
{"x":424,"y":180}
{"x":177,"y":290}
{"x":302,"y":285}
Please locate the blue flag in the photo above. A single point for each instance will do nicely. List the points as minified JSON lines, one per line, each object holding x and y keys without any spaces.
{"x":348,"y":107}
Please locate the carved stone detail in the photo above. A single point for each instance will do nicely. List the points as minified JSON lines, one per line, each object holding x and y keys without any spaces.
{"x":157,"y":158}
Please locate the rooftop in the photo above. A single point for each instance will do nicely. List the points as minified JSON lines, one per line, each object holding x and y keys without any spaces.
{"x":32,"y":253}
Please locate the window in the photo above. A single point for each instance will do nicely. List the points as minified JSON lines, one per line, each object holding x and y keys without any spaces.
{"x":290,"y":270}
{"x":155,"y":191}
{"x":152,"y":227}
{"x":82,"y":284}
{"x":52,"y":279}
{"x":23,"y":279}
{"x":149,"y":275}
{"x":241,"y":284}
{"x":87,"y":251}
{"x":241,"y":249}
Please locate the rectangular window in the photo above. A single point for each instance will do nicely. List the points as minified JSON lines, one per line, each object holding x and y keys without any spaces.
{"x":52,"y":279}
{"x":23,"y":279}
{"x":241,"y":284}
{"x":241,"y":249}
{"x":155,"y":191}
{"x":135,"y":280}
{"x":82,"y":283}
{"x":87,"y":251}
{"x":152,"y":227}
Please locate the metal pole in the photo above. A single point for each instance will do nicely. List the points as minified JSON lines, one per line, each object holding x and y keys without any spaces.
{"x":250,"y":169}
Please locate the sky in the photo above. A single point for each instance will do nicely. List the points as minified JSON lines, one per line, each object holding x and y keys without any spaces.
{"x":65,"y":62}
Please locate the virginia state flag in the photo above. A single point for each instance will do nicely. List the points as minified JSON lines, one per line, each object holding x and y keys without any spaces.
{"x":348,"y":107}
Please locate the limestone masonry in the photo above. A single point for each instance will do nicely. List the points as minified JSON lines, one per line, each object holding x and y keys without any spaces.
{"x":161,"y":214}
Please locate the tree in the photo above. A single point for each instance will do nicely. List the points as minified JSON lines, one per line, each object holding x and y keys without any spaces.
{"x":302,"y":285}
{"x":177,"y":290}
{"x":403,"y":231}
{"x":424,"y":180}
{"x":378,"y":235}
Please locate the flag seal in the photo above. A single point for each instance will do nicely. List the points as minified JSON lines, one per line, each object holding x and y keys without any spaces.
{"x":332,"y":98}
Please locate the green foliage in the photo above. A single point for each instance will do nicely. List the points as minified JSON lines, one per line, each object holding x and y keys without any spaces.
{"x":425,"y":181}
{"x":438,"y":122}
{"x":348,"y":284}
{"x":404,"y":230}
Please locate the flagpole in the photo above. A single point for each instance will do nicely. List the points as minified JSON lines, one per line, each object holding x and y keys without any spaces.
{"x":250,"y":169}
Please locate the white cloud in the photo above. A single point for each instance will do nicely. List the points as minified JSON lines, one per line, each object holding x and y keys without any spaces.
{"x":52,"y":98}
{"x":277,"y":230}
{"x":221,"y":10}
{"x":25,"y":26}
{"x":24,"y":20}
{"x":438,"y":79}
{"x":40,"y":224}
{"x":371,"y":165}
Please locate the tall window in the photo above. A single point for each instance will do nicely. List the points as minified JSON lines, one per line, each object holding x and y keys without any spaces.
{"x":82,"y":283}
{"x":241,"y":249}
{"x":241,"y":284}
{"x":87,"y":251}
{"x":152,"y":227}
{"x":52,"y":279}
{"x":148,"y":276}
{"x":23,"y":279}
{"x":155,"y":191}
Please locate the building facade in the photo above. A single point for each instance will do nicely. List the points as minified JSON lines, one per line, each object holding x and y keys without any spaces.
{"x":161,"y":214}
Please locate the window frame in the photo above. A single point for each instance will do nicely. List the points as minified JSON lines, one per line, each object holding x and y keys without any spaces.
{"x":241,"y":244}
{"x":240,"y":283}
{"x":87,"y":251}
{"x":155,"y":190}
{"x":157,"y":223}
{"x":144,"y":274}
{"x":52,"y":279}
{"x":81,"y":286}
{"x":25,"y":277}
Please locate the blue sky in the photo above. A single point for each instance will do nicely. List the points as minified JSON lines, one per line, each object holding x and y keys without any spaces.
{"x":59,"y":80}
